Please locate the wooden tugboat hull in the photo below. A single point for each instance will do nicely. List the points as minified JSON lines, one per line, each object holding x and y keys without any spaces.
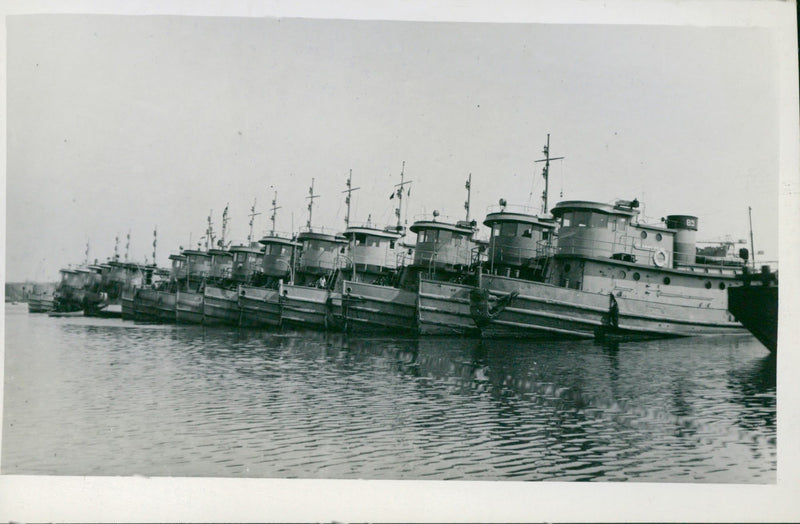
{"x":145,"y":305}
{"x":166,"y":306}
{"x":647,"y":318}
{"x":304,"y":306}
{"x":126,"y":299}
{"x":189,"y":307}
{"x":543,"y":310}
{"x":221,"y":306}
{"x":444,"y":309}
{"x":260,"y":307}
{"x":370,"y":307}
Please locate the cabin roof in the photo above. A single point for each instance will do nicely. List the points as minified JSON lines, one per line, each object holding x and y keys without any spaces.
{"x":504,"y":216}
{"x":373,"y":231}
{"x":599,"y":207}
{"x":246,"y":249}
{"x":422,"y":225}
{"x":274,"y":239}
{"x":196,"y":253}
{"x":177,"y":257}
{"x":325,"y":237}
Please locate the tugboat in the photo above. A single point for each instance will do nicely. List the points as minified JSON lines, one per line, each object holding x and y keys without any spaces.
{"x":444,"y":252}
{"x":153,"y":301}
{"x":202,"y":267}
{"x":610,"y":275}
{"x":374,"y":257}
{"x":304,"y":301}
{"x":41,"y":299}
{"x":221,"y":299}
{"x":260,"y":302}
{"x":755,"y":305}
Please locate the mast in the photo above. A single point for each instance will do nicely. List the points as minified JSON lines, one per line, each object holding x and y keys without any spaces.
{"x":399,"y":193}
{"x":275,"y":207}
{"x":252,"y":216}
{"x":752,"y":247}
{"x":116,"y":248}
{"x":209,"y":232}
{"x":545,"y":172}
{"x":155,"y":241}
{"x":127,"y":245}
{"x":225,"y":220}
{"x":469,"y":194}
{"x":311,"y":196}
{"x":86,"y":253}
{"x":349,"y":190}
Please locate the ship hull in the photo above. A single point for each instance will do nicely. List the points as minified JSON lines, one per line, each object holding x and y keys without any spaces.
{"x":189,"y":307}
{"x":260,"y":307}
{"x":304,"y":306}
{"x":40,"y":304}
{"x":542,"y":310}
{"x":756,"y":307}
{"x":145,"y":305}
{"x":166,"y":306}
{"x":444,"y":309}
{"x":370,"y":307}
{"x":127,"y":304}
{"x":221,"y":306}
{"x":647,"y":318}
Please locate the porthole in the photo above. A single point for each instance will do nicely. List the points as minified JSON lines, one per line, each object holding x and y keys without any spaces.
{"x":708,"y":285}
{"x":636,"y":276}
{"x":622,"y":274}
{"x":644,"y":234}
{"x":567,"y":267}
{"x":722,"y":285}
{"x":658,"y":237}
{"x":667,"y":280}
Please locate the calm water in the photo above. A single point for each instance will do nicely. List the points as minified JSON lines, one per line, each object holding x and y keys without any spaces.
{"x":106,"y":397}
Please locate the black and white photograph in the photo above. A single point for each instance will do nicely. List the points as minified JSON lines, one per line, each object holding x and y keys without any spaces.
{"x":462,"y":264}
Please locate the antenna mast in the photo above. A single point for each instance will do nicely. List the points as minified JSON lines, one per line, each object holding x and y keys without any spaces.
{"x":86,"y":259}
{"x":209,"y":232}
{"x":252,"y":216}
{"x":155,"y":241}
{"x":275,"y":207}
{"x":116,"y":248}
{"x":545,"y":172}
{"x":311,"y":196}
{"x":127,"y":245}
{"x":399,"y":193}
{"x":469,"y":194}
{"x":349,"y":190}
{"x":752,"y":247}
{"x":225,"y":220}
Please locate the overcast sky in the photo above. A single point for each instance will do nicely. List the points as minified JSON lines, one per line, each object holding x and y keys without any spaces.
{"x":123,"y":123}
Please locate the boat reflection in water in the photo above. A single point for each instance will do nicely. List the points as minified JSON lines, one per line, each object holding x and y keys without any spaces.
{"x":206,"y":401}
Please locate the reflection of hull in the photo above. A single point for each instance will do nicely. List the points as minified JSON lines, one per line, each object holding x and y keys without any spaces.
{"x":260,"y":307}
{"x":756,"y":306}
{"x":166,"y":306}
{"x":305,"y":306}
{"x":544,"y":310}
{"x":444,"y":309}
{"x":145,"y":305}
{"x":372,"y":307}
{"x":127,"y":304}
{"x":220,"y":306}
{"x":189,"y":307}
{"x":648,"y":318}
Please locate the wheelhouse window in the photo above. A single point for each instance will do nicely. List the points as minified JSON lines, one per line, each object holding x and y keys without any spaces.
{"x":361,"y":239}
{"x":508,"y":229}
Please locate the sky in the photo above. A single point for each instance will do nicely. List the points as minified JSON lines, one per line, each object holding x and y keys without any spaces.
{"x":120,"y":124}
